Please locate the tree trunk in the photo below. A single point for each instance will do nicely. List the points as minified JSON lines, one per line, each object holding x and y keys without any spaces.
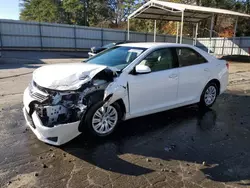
{"x":198,"y":2}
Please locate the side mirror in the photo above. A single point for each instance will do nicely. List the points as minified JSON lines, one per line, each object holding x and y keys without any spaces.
{"x":142,"y":69}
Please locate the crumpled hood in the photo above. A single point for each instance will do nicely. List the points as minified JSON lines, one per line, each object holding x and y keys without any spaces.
{"x":68,"y":76}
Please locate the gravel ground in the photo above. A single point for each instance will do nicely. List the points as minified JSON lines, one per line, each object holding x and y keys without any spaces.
{"x":185,"y":147}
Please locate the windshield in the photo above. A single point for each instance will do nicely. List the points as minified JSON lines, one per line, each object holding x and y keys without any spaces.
{"x":118,"y":56}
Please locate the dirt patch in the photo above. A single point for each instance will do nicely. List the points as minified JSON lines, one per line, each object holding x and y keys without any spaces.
{"x":23,"y":180}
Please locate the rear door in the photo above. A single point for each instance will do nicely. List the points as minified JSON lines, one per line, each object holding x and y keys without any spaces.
{"x":194,"y":73}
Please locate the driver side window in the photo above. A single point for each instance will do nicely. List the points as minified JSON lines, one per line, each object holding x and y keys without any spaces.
{"x":159,"y":60}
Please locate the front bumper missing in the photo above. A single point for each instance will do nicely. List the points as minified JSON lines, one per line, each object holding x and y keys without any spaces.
{"x":57,"y":135}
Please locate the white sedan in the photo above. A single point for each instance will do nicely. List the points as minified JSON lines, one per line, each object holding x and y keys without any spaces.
{"x":124,"y":82}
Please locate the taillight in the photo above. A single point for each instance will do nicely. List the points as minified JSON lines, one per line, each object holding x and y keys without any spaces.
{"x":227,"y":64}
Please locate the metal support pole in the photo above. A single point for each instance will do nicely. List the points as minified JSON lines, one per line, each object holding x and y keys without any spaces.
{"x":223,"y":46}
{"x":182,"y":20}
{"x":125,"y":35}
{"x":239,"y":49}
{"x":102,"y":36}
{"x":128,"y":30}
{"x":196,"y":33}
{"x":211,"y":33}
{"x":41,"y":36}
{"x":177,"y":32}
{"x":235,"y":30}
{"x":1,"y":41}
{"x":75,"y":38}
{"x":193,"y":34}
{"x":155,"y":31}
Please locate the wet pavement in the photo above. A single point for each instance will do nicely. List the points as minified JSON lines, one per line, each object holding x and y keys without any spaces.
{"x":185,"y":147}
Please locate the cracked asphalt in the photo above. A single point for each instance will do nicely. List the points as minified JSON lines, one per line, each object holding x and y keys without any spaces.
{"x":185,"y":147}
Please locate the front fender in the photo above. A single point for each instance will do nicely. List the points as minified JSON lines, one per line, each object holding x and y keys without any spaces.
{"x":114,"y":92}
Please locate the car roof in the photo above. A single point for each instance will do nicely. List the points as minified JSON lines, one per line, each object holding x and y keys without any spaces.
{"x":153,"y":44}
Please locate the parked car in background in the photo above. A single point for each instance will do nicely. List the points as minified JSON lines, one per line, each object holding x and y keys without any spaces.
{"x":124,"y":82}
{"x":96,"y":50}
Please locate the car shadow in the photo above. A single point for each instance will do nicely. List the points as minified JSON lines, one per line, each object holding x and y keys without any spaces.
{"x":36,"y":55}
{"x":188,"y":134}
{"x":11,"y":63}
{"x":34,"y":59}
{"x":237,"y":58}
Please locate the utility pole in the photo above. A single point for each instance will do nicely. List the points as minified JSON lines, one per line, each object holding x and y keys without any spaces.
{"x":85,"y":13}
{"x":85,"y":5}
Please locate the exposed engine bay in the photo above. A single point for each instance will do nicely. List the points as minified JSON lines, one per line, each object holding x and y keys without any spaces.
{"x":60,"y":107}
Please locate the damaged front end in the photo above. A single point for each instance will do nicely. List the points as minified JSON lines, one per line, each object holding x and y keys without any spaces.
{"x":54,"y":109}
{"x":64,"y":107}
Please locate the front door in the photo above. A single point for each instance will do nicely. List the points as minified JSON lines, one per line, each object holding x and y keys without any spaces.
{"x":156,"y":90}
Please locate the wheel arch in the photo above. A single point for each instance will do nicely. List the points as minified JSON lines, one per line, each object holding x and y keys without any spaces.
{"x":212,"y":81}
{"x":123,"y":107}
{"x":217,"y":82}
{"x":90,"y":99}
{"x":96,"y":97}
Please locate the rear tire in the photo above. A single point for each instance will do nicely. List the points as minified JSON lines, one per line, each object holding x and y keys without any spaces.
{"x":209,"y":95}
{"x":102,"y":121}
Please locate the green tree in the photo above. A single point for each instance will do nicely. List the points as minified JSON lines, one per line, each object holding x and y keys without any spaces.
{"x":99,"y":13}
{"x":120,"y":9}
{"x":37,"y":10}
{"x":243,"y":23}
{"x":75,"y":12}
{"x":114,"y":14}
{"x":78,"y":12}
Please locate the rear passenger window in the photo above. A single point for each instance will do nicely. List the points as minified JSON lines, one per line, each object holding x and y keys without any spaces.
{"x":189,"y":57}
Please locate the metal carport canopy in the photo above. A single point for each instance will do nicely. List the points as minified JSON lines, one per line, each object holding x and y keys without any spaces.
{"x":162,"y":10}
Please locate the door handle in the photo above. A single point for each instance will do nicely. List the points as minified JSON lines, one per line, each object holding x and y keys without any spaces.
{"x":173,"y":76}
{"x":206,"y":69}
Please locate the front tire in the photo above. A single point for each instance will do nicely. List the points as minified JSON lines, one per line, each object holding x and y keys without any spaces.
{"x":102,"y":121}
{"x":209,"y":95}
